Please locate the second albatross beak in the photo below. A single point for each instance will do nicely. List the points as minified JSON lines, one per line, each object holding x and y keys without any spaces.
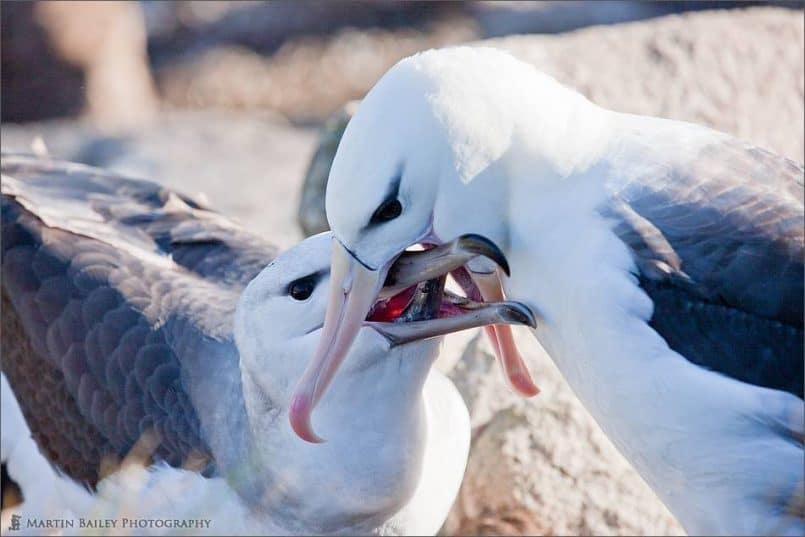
{"x":354,"y":289}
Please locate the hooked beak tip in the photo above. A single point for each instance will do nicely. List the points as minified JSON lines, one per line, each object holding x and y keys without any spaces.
{"x":518,"y":313}
{"x":480,"y":245}
{"x":299,"y":412}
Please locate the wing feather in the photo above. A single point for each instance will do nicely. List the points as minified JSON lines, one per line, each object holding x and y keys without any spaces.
{"x":106,"y":282}
{"x":719,"y":244}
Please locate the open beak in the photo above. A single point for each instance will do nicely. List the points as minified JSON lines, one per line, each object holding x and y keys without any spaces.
{"x":465,"y":314}
{"x":355,"y":289}
{"x":412,"y":267}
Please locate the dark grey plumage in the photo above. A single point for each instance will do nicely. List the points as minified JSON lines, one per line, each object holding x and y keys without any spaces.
{"x":719,"y":246}
{"x":118,"y":297}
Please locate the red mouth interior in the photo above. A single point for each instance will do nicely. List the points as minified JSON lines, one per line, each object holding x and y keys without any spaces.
{"x":389,"y":310}
{"x":386,"y":311}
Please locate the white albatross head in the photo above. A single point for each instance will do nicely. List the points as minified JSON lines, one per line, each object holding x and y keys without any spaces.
{"x":372,"y":414}
{"x":424,"y":161}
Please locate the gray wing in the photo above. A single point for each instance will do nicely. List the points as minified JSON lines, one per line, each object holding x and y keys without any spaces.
{"x":719,"y":245}
{"x":117,"y":299}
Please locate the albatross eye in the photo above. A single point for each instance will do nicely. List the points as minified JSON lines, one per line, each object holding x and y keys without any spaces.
{"x":302,"y":288}
{"x":388,"y":210}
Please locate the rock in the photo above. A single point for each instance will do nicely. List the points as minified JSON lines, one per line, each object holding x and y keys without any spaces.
{"x":736,"y":71}
{"x":305,"y":59}
{"x":498,"y":18}
{"x":306,"y":79}
{"x":249,"y":166}
{"x":312,"y":218}
{"x":518,"y":482}
{"x":61,"y":58}
{"x":301,"y":59}
{"x":543,"y":466}
{"x":55,"y":90}
{"x":178,"y":27}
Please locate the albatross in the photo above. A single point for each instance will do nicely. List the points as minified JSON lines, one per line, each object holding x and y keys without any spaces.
{"x":663,"y":261}
{"x":135,"y":319}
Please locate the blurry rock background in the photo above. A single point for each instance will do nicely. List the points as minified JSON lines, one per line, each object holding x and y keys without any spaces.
{"x":233,"y":100}
{"x":302,"y":59}
{"x":63,"y":58}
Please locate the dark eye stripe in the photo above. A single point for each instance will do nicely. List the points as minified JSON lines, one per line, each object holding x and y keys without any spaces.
{"x":391,"y":207}
{"x":388,"y":210}
{"x":301,"y":288}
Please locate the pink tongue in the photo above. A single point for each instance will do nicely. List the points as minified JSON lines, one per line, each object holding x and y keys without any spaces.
{"x":501,"y":337}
